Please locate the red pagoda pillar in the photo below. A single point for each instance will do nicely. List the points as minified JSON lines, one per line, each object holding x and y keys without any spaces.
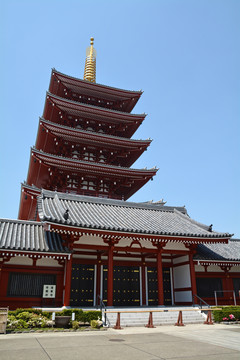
{"x":68,"y":276}
{"x":160,"y":276}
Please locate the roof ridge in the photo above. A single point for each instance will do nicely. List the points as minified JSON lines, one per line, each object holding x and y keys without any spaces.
{"x":108,"y":202}
{"x":19,"y":221}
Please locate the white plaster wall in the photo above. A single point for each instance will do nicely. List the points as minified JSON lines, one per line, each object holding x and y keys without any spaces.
{"x":75,"y":256}
{"x":20,"y":260}
{"x":181,"y":276}
{"x":181,"y":259}
{"x":48,"y":262}
{"x":166,"y":260}
{"x":235,"y":269}
{"x":151,"y":260}
{"x":90,"y":240}
{"x":199,"y":268}
{"x":183,"y":296}
{"x":127,"y":242}
{"x":126,"y":259}
{"x":175,"y":246}
{"x":214,"y":268}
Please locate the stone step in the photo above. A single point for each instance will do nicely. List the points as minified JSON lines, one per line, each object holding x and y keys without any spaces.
{"x":159,"y":318}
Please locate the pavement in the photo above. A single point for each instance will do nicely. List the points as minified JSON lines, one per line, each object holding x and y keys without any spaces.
{"x":191,"y":342}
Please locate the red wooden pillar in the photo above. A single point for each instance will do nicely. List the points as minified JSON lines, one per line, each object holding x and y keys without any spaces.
{"x":160,"y":276}
{"x":110,"y":275}
{"x":193,"y":276}
{"x":68,"y":278}
{"x":227,"y":286}
{"x":143,"y":282}
{"x":98,"y":277}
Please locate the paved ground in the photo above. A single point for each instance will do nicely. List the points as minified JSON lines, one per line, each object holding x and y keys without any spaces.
{"x":191,"y":342}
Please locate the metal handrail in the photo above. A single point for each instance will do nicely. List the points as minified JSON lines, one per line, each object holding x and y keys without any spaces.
{"x":201,"y":301}
{"x":103,"y":306}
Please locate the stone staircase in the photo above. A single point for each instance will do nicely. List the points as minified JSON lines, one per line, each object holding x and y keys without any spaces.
{"x":159,"y":318}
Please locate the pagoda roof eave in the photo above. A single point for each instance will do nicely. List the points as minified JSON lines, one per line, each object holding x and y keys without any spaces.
{"x":73,"y":163}
{"x":77,"y":135}
{"x":99,"y":87}
{"x":42,"y":164}
{"x":94,"y":109}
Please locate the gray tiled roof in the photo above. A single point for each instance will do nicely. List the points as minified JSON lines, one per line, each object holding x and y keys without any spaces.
{"x":30,"y":236}
{"x":230,"y":251}
{"x":117,"y":215}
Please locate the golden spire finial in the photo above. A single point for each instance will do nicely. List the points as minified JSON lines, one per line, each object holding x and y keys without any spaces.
{"x":90,"y":63}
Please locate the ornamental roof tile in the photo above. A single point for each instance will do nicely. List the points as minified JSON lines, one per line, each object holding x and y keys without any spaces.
{"x":230,"y":251}
{"x":116,"y":215}
{"x":29,"y":235}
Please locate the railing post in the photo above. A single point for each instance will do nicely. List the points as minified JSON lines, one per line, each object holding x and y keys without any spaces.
{"x":209,"y":318}
{"x":118,"y":326}
{"x":150,"y":321}
{"x":180,"y":320}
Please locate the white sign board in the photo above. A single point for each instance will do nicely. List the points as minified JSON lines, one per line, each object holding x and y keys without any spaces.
{"x":49,"y":291}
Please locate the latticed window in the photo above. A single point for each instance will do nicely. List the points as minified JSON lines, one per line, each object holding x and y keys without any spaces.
{"x":88,"y":185}
{"x":72,"y":184}
{"x":88,"y":156}
{"x":102,"y":158}
{"x":29,"y":284}
{"x":104,"y":187}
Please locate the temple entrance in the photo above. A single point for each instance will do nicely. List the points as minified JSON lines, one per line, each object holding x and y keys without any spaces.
{"x":152,"y":286}
{"x":82,"y":285}
{"x":126,"y":285}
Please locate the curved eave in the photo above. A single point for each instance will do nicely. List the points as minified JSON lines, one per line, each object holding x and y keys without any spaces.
{"x":111,"y":170}
{"x":89,"y":137}
{"x":68,"y":228}
{"x":70,"y":105}
{"x":93,"y":89}
{"x":27,"y":205}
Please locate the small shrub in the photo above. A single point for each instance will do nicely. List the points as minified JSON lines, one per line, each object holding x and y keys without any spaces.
{"x":75,"y":325}
{"x":25,"y":315}
{"x":228,"y":313}
{"x":96,"y":324}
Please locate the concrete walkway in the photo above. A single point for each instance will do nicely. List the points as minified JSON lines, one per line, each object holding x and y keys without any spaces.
{"x":191,"y":342}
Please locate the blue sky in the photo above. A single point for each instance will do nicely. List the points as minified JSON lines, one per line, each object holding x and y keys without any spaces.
{"x":184,"y":54}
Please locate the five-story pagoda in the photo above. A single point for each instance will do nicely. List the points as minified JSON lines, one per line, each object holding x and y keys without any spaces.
{"x":84,"y":144}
